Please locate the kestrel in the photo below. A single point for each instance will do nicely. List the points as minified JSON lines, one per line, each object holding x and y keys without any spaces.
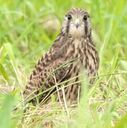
{"x":57,"y":72}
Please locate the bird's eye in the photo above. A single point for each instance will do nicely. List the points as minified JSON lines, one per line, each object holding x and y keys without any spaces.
{"x":85,"y":17}
{"x":69,"y":17}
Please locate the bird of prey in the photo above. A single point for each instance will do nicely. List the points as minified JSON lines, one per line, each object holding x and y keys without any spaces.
{"x":57,"y":72}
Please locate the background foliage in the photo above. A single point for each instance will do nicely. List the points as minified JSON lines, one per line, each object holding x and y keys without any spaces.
{"x":28,"y":28}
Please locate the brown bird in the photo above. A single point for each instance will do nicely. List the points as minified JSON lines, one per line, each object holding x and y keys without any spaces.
{"x":58,"y":71}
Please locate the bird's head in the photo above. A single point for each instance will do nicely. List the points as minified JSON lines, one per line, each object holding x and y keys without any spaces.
{"x":77,"y":23}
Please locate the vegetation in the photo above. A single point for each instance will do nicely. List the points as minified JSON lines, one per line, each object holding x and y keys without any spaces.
{"x":28,"y":28}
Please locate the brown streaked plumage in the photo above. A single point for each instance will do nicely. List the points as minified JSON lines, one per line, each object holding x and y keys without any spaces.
{"x":72,"y":51}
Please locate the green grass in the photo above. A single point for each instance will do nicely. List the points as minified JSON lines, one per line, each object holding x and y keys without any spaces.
{"x":25,"y":35}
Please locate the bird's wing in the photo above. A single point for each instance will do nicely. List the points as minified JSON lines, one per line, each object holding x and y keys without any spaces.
{"x":50,"y":69}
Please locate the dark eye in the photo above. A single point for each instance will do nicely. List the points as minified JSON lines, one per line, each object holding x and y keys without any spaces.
{"x":85,"y":17}
{"x":69,"y":17}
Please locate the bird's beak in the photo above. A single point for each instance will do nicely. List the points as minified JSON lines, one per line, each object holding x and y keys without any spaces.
{"x":77,"y":23}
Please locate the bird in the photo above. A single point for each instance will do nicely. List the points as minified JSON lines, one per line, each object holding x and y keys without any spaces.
{"x":57,"y":72}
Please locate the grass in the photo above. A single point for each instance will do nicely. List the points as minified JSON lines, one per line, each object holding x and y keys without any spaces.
{"x":26,"y":32}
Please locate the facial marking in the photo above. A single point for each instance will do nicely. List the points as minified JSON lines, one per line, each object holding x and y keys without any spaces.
{"x":76,"y":23}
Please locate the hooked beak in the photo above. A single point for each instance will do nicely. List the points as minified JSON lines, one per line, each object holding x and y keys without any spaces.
{"x":77,"y":23}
